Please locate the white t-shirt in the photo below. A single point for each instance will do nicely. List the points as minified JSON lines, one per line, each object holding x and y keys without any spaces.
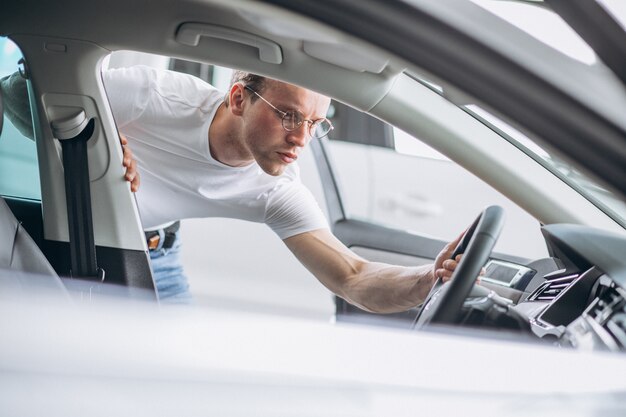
{"x":166,"y":117}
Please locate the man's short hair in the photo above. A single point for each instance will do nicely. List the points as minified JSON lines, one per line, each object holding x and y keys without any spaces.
{"x":255,"y":82}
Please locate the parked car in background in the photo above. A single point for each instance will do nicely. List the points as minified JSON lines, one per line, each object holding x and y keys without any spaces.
{"x":535,"y":130}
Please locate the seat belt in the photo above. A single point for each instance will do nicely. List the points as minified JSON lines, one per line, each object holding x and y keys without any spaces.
{"x":73,"y":132}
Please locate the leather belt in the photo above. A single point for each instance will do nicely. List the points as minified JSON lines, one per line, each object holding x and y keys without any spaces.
{"x":162,"y":238}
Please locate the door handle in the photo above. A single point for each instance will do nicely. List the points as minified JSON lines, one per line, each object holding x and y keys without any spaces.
{"x":413,"y":205}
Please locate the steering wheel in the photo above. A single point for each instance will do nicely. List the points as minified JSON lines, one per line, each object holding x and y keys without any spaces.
{"x":444,"y":302}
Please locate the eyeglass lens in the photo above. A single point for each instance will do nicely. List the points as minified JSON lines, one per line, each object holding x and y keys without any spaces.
{"x":294,"y":119}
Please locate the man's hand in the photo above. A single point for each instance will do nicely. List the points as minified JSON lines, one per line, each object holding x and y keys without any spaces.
{"x":444,"y":266}
{"x":130,"y":164}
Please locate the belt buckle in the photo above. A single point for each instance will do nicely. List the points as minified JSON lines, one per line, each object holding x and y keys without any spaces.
{"x":153,"y":242}
{"x":156,"y":241}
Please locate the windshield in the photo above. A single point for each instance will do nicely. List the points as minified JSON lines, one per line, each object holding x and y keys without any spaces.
{"x":536,"y":19}
{"x":542,"y":24}
{"x":601,"y":197}
{"x":617,"y":8}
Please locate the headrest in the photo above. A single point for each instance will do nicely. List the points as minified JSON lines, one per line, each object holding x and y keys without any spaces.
{"x":16,"y":103}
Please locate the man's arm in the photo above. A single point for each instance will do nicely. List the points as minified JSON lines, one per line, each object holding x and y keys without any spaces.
{"x":373,"y":286}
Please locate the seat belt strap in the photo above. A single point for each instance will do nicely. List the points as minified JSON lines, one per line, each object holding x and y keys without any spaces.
{"x":73,"y":133}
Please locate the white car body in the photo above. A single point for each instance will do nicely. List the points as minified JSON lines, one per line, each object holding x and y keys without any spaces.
{"x":116,"y":358}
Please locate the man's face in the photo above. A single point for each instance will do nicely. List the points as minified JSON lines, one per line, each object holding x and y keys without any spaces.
{"x":270,"y":144}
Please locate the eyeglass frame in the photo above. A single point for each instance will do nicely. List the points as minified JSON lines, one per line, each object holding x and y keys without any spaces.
{"x":283,"y":115}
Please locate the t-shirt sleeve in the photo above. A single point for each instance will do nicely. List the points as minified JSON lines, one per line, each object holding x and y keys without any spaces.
{"x":292,"y":210}
{"x":128,"y":91}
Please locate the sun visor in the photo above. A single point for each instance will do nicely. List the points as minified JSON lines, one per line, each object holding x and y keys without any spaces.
{"x":345,"y":56}
{"x":287,"y":25}
{"x":317,"y":41}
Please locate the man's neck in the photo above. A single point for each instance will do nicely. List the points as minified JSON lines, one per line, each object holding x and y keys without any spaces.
{"x":225,"y":144}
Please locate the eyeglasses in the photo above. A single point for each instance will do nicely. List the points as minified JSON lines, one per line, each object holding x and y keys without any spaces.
{"x":293,"y":119}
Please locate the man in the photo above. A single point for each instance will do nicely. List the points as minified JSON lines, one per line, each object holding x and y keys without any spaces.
{"x":201,"y":154}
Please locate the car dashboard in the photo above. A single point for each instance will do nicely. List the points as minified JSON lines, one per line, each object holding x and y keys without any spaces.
{"x":583,"y":304}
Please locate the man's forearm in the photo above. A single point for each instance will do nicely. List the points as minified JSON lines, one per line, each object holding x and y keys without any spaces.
{"x":383,"y":288}
{"x":373,"y":286}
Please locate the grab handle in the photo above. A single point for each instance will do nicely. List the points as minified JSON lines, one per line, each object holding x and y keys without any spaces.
{"x":190,"y":33}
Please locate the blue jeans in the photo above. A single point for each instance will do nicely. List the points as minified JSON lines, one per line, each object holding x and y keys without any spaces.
{"x":169,"y":277}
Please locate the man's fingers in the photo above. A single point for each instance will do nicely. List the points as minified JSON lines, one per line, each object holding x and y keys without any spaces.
{"x":439,"y":269}
{"x":449,"y":264}
{"x":134,"y":184}
{"x":128,"y":154}
{"x":131,"y":170}
{"x":445,"y":273}
{"x":128,"y":157}
{"x":131,"y":175}
{"x":134,"y":180}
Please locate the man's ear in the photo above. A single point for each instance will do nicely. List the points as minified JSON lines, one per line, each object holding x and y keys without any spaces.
{"x":236,"y":99}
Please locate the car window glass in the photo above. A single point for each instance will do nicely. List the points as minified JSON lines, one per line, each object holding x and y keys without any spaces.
{"x":544,"y":25}
{"x":413,"y":187}
{"x":406,"y":144}
{"x":19,"y":171}
{"x":617,"y":8}
{"x":604,"y":199}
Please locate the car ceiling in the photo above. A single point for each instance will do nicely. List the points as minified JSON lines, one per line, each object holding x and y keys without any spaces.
{"x":152,"y":26}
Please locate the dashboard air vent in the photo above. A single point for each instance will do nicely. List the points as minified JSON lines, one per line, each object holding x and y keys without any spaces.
{"x":549,"y":290}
